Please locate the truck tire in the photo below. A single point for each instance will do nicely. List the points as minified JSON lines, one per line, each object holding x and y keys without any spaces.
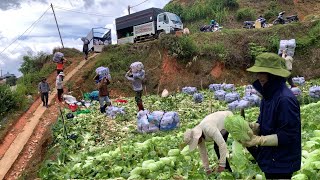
{"x":161,"y":34}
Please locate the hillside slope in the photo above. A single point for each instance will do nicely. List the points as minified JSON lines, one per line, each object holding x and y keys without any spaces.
{"x":203,"y":58}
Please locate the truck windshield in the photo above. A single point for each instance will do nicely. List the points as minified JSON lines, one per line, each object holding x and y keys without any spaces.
{"x":174,"y":18}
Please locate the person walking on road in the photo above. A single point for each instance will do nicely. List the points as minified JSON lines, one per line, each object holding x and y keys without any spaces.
{"x":59,"y":85}
{"x":276,"y":140}
{"x":44,"y":89}
{"x":136,"y":79}
{"x":85,"y":48}
{"x":211,"y":128}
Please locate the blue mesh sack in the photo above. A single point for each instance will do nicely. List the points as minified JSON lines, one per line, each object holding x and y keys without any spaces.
{"x":189,"y":90}
{"x":219,"y":95}
{"x":233,"y":96}
{"x":215,"y":87}
{"x":197,"y":98}
{"x":298,"y":81}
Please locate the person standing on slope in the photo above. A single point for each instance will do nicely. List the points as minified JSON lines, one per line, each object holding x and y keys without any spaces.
{"x":136,"y":79}
{"x":59,"y":85}
{"x":85,"y":48}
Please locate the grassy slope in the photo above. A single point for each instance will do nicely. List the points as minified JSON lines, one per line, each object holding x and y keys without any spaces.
{"x":231,"y":47}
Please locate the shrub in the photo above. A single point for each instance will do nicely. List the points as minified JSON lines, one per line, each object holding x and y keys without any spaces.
{"x":9,"y":100}
{"x":272,"y":11}
{"x":232,"y":4}
{"x":182,"y":47}
{"x":246,"y":14}
{"x":255,"y":49}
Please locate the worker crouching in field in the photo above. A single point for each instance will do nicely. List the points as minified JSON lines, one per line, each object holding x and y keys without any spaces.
{"x":276,"y":142}
{"x":211,"y":128}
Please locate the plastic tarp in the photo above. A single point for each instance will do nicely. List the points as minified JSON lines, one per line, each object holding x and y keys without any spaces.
{"x":288,"y":45}
{"x":219,"y":95}
{"x":314,"y":91}
{"x":70,"y":99}
{"x":298,"y":81}
{"x":233,"y":96}
{"x":94,"y":95}
{"x":189,"y":90}
{"x":296,"y":91}
{"x":136,"y":66}
{"x":57,"y":57}
{"x":197,"y":98}
{"x":113,"y":111}
{"x":215,"y":87}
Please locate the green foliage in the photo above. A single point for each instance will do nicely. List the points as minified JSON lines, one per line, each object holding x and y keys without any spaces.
{"x":273,"y":10}
{"x":232,"y":4}
{"x":33,"y":64}
{"x":11,"y":81}
{"x":246,"y":14}
{"x":10,"y":101}
{"x":217,"y":50}
{"x":274,"y":41}
{"x":255,"y":49}
{"x":311,"y":38}
{"x":207,"y":9}
{"x":182,"y":47}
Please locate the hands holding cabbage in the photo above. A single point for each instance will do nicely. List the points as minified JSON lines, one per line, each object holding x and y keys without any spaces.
{"x":248,"y":133}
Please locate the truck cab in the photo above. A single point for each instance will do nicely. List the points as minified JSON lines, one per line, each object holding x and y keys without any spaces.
{"x":146,"y":25}
{"x":169,"y":23}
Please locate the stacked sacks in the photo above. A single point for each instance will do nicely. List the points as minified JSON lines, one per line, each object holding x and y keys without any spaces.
{"x":239,"y":104}
{"x":253,"y":99}
{"x":112,"y":111}
{"x":298,"y":81}
{"x":233,"y":96}
{"x":169,"y":121}
{"x":157,"y":120}
{"x":220,"y":95}
{"x":197,"y":98}
{"x":189,"y":90}
{"x":249,"y":89}
{"x":228,"y":87}
{"x":314,"y":91}
{"x":142,"y":123}
{"x":215,"y":87}
{"x":296,"y":91}
{"x":288,"y":45}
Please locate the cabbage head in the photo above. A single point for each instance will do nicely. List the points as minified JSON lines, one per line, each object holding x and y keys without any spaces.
{"x":238,"y":128}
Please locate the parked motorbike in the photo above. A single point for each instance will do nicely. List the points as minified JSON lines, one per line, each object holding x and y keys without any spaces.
{"x":210,"y":28}
{"x":251,"y":24}
{"x":289,"y":19}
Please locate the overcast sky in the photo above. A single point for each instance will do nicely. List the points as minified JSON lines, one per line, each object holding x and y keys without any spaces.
{"x":16,"y":16}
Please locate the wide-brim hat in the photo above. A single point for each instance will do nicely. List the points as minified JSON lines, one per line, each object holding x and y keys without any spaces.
{"x":270,"y":63}
{"x":61,"y":74}
{"x":192,"y":136}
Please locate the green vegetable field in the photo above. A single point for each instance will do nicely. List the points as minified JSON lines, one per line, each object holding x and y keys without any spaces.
{"x":93,"y":146}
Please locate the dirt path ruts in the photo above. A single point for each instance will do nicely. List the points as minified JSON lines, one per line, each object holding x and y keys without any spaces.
{"x":19,"y":147}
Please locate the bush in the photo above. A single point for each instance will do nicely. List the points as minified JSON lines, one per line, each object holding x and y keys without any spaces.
{"x":255,"y":50}
{"x":273,"y":11}
{"x":232,"y":4}
{"x":182,"y":47}
{"x":10,"y":101}
{"x":216,"y":50}
{"x":246,"y":14}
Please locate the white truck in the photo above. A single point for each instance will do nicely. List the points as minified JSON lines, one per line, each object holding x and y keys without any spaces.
{"x":146,"y":25}
{"x":98,"y":38}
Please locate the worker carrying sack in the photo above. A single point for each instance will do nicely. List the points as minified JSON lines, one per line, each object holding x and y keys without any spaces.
{"x":58,"y":57}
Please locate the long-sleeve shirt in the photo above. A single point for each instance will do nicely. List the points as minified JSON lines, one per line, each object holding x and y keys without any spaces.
{"x":211,"y":126}
{"x":103,"y":88}
{"x":59,"y":83}
{"x":136,"y":80}
{"x":43,"y":87}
